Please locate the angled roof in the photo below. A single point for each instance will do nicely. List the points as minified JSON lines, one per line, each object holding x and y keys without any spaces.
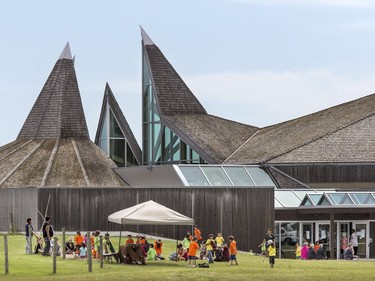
{"x":172,"y":94}
{"x":150,"y":213}
{"x":343,"y":133}
{"x":109,"y":99}
{"x":53,"y":147}
{"x":58,"y":111}
{"x":212,"y":137}
{"x":54,"y":162}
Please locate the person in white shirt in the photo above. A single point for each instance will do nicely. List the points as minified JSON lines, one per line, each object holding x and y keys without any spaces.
{"x":354,"y":241}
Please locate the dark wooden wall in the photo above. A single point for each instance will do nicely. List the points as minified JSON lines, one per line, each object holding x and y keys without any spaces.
{"x":327,"y":173}
{"x":245,"y":213}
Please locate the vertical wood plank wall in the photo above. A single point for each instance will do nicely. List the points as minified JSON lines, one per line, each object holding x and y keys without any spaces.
{"x":245,"y":213}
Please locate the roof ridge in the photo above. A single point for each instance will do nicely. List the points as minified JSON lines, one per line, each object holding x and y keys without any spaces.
{"x":21,"y":162}
{"x":50,"y":162}
{"x":84,"y":172}
{"x":238,"y":148}
{"x":317,"y":138}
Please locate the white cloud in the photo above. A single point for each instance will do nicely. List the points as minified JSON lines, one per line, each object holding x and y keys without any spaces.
{"x":265,"y":98}
{"x":324,"y":3}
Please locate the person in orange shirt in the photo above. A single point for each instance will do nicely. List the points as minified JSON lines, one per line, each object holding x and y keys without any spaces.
{"x":193,"y":252}
{"x":197,"y":233}
{"x":232,"y":250}
{"x":78,"y":239}
{"x":158,"y":245}
{"x":130,"y":240}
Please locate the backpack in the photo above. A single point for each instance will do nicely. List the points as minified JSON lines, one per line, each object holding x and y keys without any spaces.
{"x":204,"y":265}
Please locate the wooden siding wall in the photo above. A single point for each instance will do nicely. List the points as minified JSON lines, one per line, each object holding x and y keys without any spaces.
{"x":22,"y":203}
{"x":330,"y":173}
{"x":244,"y":212}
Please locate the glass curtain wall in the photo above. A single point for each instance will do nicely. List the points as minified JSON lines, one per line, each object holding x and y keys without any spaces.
{"x":160,"y":145}
{"x":113,"y":142}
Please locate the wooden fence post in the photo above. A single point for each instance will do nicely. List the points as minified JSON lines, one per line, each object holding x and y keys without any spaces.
{"x":6,"y":254}
{"x":63,"y":248}
{"x":89,"y":252}
{"x":54,"y":254}
{"x":101,"y":251}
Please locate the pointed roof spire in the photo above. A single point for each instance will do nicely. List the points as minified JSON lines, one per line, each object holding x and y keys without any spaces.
{"x":66,"y":53}
{"x":145,"y":38}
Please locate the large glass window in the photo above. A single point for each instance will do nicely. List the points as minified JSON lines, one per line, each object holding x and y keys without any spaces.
{"x":194,"y":176}
{"x":216,"y":176}
{"x":340,"y":198}
{"x":289,"y":235}
{"x":363,"y":198}
{"x":239,"y":176}
{"x":117,"y":154}
{"x":260,"y":177}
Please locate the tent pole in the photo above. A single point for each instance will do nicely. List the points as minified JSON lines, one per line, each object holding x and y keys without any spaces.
{"x":119,"y":239}
{"x":176,"y":243}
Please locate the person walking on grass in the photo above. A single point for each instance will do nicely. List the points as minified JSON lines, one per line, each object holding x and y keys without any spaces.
{"x":47,"y":236}
{"x":232,"y":250}
{"x":271,"y":252}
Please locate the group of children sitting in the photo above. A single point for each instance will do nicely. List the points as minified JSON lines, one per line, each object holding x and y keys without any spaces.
{"x":210,"y":250}
{"x":310,"y":251}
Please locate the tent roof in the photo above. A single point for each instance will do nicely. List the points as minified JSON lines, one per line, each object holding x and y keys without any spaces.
{"x":149,"y":213}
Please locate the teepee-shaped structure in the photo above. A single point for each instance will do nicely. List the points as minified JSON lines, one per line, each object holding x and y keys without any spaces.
{"x":53,"y":148}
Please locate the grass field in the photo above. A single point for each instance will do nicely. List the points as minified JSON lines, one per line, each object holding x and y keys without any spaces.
{"x":36,"y":267}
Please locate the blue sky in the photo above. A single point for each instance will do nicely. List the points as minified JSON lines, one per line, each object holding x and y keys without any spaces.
{"x":258,"y":62}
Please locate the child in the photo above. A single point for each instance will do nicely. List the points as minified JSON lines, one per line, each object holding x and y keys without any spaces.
{"x":83,"y":251}
{"x":151,"y":254}
{"x":97,"y":244}
{"x":232,"y":250}
{"x":203,"y":254}
{"x":219,"y":240}
{"x":298,"y":251}
{"x":271,"y":253}
{"x":304,"y":251}
{"x":159,"y":249}
{"x":130,"y":240}
{"x":193,"y":252}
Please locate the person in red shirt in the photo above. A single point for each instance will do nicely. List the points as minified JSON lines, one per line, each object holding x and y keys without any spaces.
{"x":232,"y":250}
{"x":193,"y":252}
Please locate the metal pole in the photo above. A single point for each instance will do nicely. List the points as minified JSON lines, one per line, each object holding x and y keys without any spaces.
{"x":176,"y":243}
{"x":54,"y":254}
{"x":101,"y":251}
{"x":63,"y":243}
{"x":119,"y":239}
{"x":89,"y":252}
{"x":6,"y":254}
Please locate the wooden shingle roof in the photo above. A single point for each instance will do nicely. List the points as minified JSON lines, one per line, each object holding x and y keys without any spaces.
{"x":58,"y":110}
{"x":53,"y":148}
{"x":172,"y":94}
{"x":341,"y":133}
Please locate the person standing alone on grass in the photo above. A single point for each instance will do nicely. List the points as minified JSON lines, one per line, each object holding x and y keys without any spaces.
{"x":193,"y":252}
{"x":29,"y":230}
{"x":271,"y":252}
{"x":47,"y":236}
{"x":232,"y":250}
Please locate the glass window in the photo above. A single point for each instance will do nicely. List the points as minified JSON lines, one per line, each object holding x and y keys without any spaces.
{"x":175,"y":147}
{"x":324,"y":201}
{"x":315,"y":198}
{"x":103,"y":139}
{"x":260,"y":177}
{"x":216,"y":176}
{"x":363,"y":198}
{"x":117,"y":151}
{"x":194,"y":176}
{"x":340,"y":198}
{"x":289,"y":235}
{"x":306,"y":202}
{"x":130,"y":159}
{"x":239,"y":176}
{"x":287,"y":198}
{"x":115,"y":131}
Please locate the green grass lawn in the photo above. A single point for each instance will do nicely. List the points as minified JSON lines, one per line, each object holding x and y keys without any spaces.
{"x":36,"y":267}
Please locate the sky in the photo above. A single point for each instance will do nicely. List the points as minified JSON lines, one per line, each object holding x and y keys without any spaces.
{"x":258,"y":62}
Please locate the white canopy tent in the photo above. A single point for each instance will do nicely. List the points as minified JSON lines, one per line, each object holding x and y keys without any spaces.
{"x":149,"y":213}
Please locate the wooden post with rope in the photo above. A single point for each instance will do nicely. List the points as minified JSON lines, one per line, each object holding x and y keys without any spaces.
{"x":89,"y":252}
{"x":54,"y":254}
{"x":6,"y":254}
